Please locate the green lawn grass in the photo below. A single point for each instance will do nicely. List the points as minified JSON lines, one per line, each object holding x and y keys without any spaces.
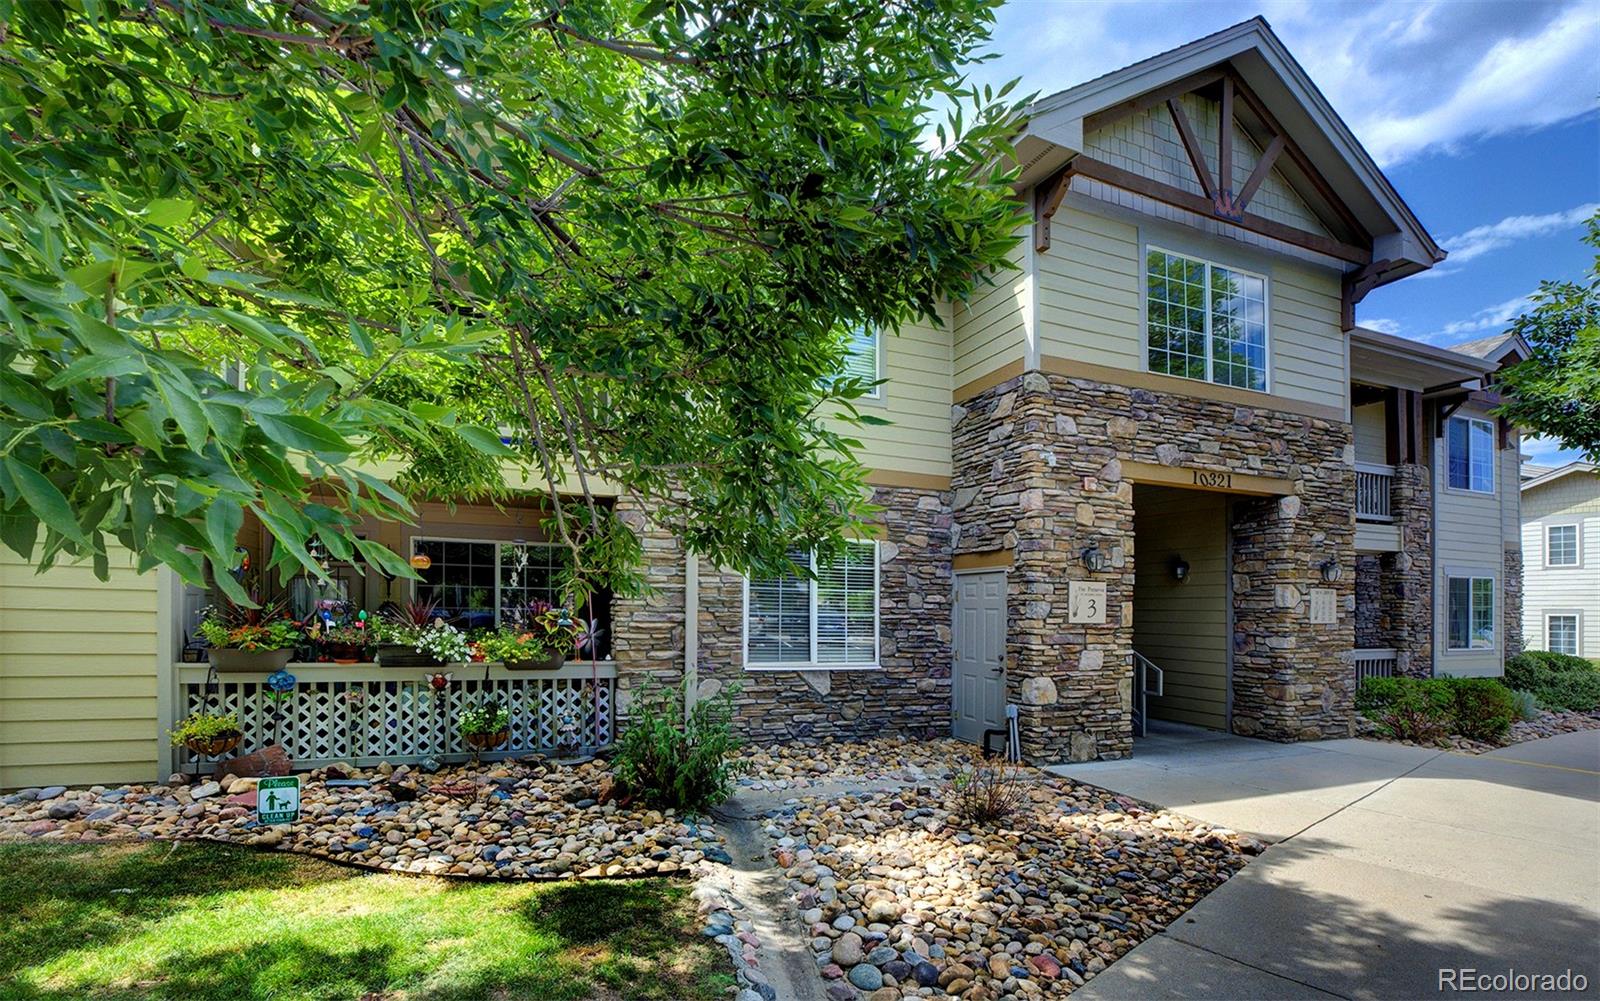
{"x":200,"y":921}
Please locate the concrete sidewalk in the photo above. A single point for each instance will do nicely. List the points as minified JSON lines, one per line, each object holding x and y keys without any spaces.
{"x":1391,"y":863}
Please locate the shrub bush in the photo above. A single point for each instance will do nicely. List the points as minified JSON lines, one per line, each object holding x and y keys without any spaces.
{"x":1558,"y":680}
{"x":673,"y":763}
{"x":1417,"y":709}
{"x":1483,"y":708}
{"x":988,"y":791}
{"x":1527,"y":705}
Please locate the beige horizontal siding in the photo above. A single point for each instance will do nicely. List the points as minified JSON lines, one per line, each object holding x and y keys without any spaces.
{"x":77,"y":674}
{"x":1091,"y":308}
{"x":989,"y":327}
{"x":1470,"y":541}
{"x":1183,"y":627}
{"x":1371,"y":430}
{"x":916,"y":402}
{"x":1573,"y":499}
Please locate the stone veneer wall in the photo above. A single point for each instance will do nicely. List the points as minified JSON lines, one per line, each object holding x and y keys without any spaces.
{"x":1511,"y":604}
{"x":911,"y":694}
{"x":1039,"y":473}
{"x":1393,"y":610}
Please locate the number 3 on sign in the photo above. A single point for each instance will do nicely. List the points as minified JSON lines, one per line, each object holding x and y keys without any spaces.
{"x":1086,"y":602}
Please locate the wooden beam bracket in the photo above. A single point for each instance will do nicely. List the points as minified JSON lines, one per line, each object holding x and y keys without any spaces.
{"x":1046,"y":200}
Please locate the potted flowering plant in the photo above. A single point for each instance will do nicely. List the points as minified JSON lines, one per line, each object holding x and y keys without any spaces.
{"x":519,"y":650}
{"x":540,"y":638}
{"x":207,"y":733}
{"x":347,"y":642}
{"x":484,"y":727}
{"x":256,"y":640}
{"x":416,"y":635}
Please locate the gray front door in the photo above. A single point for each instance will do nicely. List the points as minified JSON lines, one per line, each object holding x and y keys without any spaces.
{"x":977,"y":682}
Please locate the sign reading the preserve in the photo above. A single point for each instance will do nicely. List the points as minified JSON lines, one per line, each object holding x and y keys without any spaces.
{"x":278,"y":800}
{"x":1086,"y":601}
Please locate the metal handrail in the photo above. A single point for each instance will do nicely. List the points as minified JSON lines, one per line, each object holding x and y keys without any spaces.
{"x":1143,"y":666}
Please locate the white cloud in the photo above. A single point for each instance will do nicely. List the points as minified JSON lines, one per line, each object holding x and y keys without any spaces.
{"x":1409,"y":78}
{"x":1382,"y":325}
{"x":1483,"y":239}
{"x":1548,"y":452}
{"x":1488,"y":318}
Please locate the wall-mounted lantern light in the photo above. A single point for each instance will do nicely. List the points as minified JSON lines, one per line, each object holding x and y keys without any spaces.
{"x":1180,"y":569}
{"x":1330,"y":569}
{"x":1094,"y":560}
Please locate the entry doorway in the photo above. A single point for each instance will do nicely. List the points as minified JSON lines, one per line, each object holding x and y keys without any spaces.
{"x":978,"y":641}
{"x":1182,"y":602}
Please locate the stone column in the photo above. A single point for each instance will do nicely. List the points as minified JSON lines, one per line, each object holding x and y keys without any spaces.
{"x":1408,"y":573}
{"x":647,"y":630}
{"x":1512,"y":602}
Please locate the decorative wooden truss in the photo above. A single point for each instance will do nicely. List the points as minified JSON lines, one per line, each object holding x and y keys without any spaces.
{"x":1237,"y":105}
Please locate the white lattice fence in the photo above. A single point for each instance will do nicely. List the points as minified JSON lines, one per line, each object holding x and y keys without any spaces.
{"x":365,"y":714}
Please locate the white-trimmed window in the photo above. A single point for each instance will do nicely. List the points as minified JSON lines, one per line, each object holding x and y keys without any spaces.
{"x":1470,"y":613}
{"x":830,"y":621}
{"x":1561,"y":633}
{"x":1470,"y":454}
{"x":1561,"y":545}
{"x":863,"y":360}
{"x":1205,"y":321}
{"x":482,"y":583}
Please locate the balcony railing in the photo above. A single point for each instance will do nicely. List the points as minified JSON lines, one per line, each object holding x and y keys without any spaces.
{"x":1374,"y":663}
{"x":1374,"y":492}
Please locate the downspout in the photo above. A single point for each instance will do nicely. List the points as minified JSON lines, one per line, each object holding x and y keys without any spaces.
{"x":691,"y":632}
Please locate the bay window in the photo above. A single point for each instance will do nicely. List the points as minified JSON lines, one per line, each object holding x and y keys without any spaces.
{"x":829,"y":619}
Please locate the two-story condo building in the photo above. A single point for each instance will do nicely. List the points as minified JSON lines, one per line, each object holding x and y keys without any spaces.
{"x":1561,"y":542}
{"x":1156,"y":470}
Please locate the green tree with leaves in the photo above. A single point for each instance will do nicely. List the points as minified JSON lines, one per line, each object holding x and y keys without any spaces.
{"x":251,"y":248}
{"x":1556,"y":390}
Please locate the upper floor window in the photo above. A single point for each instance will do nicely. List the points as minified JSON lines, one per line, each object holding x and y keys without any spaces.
{"x":1470,"y":454}
{"x":829,"y":620}
{"x":862,"y":361}
{"x":1561,"y":545}
{"x":1205,"y":321}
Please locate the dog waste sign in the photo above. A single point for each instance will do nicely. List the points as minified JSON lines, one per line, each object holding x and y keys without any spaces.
{"x":278,"y":800}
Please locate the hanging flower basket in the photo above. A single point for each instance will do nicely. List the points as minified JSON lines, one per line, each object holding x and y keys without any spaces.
{"x":232,"y":661}
{"x":211,"y":747}
{"x":486,"y":741}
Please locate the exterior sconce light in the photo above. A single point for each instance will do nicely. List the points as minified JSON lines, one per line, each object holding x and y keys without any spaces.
{"x":1180,"y":569}
{"x":1330,"y":569}
{"x":1093,"y":559}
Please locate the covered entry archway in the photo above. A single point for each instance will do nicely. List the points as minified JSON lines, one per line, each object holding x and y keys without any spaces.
{"x":1182,"y":620}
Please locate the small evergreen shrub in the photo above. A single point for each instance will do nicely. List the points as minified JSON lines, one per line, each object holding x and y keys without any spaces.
{"x":673,"y":763}
{"x":1526,"y":705}
{"x":1558,"y":680}
{"x":1416,"y":709}
{"x":1483,"y":708}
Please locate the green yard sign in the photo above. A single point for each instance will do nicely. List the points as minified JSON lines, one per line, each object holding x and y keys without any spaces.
{"x":278,"y":800}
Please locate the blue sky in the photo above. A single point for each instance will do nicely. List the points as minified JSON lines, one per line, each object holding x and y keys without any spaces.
{"x":1485,"y":115}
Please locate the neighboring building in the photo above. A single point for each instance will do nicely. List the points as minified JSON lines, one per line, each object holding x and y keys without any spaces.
{"x":1561,"y":546}
{"x":1161,"y":443}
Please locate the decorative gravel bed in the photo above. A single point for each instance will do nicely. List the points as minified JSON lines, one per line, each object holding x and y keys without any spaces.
{"x":528,"y":819}
{"x":903,"y":899}
{"x":803,"y":764}
{"x":1549,"y":724}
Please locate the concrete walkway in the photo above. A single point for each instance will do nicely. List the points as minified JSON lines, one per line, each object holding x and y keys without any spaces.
{"x":1390,"y":864}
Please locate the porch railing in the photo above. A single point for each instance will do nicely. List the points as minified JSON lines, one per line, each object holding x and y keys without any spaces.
{"x":1374,"y":492}
{"x":1374,"y":663}
{"x":364,"y":714}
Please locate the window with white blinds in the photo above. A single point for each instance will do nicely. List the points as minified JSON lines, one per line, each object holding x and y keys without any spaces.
{"x":862,"y":362}
{"x":831,"y":621}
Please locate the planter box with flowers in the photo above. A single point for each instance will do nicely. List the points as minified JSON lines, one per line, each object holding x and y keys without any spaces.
{"x":249,"y":640}
{"x":416,"y":635}
{"x":540,"y":641}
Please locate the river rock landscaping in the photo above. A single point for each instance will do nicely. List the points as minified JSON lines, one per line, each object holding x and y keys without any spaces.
{"x":901,"y":898}
{"x":527,"y":819}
